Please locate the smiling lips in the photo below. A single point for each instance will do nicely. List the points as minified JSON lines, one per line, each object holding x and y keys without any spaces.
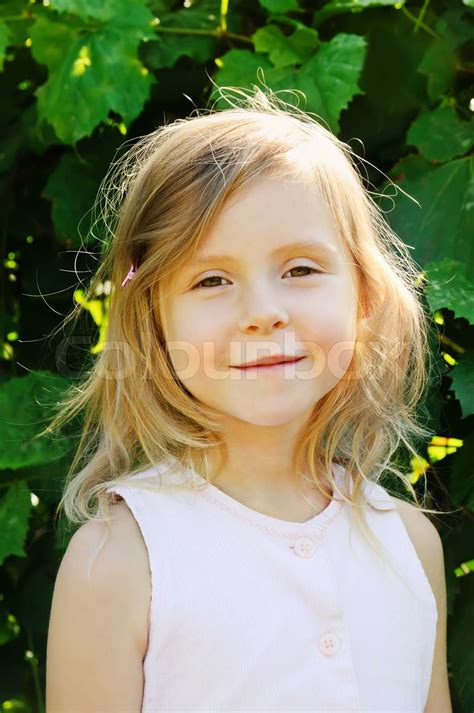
{"x":270,"y":361}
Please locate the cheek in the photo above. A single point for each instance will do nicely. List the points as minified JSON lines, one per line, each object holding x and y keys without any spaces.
{"x":196,"y":343}
{"x":330,"y":322}
{"x":329,"y":333}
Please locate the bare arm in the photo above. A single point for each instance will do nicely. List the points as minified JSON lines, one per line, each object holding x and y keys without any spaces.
{"x":429,"y":547}
{"x":98,"y":626}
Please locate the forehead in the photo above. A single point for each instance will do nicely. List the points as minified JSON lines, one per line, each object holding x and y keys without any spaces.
{"x":317,"y":248}
{"x":270,"y":218}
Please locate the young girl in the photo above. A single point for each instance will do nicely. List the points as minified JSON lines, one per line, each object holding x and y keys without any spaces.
{"x":241,"y":555}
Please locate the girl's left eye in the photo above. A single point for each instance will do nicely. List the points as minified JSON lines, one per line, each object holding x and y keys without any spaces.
{"x":199,"y":285}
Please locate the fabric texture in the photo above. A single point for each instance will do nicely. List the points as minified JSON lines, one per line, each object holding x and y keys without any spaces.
{"x":252,"y":613}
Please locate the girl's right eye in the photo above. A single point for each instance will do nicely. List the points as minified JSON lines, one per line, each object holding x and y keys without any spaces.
{"x":198,"y":285}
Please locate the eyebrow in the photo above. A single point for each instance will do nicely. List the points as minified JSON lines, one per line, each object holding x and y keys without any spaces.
{"x":314,"y":246}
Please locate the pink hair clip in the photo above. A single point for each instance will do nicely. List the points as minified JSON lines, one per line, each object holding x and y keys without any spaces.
{"x":129,"y":275}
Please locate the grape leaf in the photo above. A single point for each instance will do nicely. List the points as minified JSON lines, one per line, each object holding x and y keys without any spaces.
{"x":461,"y":651}
{"x":72,"y":187}
{"x":15,"y":21}
{"x":238,"y":68}
{"x":5,"y":35}
{"x":279,"y":6}
{"x":15,"y":508}
{"x":102,"y":10}
{"x":328,"y":79}
{"x":25,"y":403}
{"x":463,"y":382}
{"x":440,"y":135}
{"x":456,"y":25}
{"x":439,"y":66}
{"x":284,"y":51}
{"x":336,"y":7}
{"x":91,"y":70}
{"x":335,"y":70}
{"x":442,"y":227}
{"x":448,"y":286}
{"x":201,"y":15}
{"x":454,"y":28}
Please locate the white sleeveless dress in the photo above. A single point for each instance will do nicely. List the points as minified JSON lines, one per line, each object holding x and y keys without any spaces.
{"x":252,"y":613}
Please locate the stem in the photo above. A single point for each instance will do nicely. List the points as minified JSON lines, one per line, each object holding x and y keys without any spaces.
{"x":223,"y":20}
{"x":418,"y":23}
{"x":450,"y":343}
{"x":204,"y":33}
{"x":289,"y":21}
{"x":15,"y":18}
{"x":464,"y":69}
{"x":220,"y":33}
{"x":34,"y":667}
{"x":421,"y":15}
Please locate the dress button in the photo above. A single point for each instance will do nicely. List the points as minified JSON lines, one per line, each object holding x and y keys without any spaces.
{"x":329,"y":643}
{"x":304,"y":547}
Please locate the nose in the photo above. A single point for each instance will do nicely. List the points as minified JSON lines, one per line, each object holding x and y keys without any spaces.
{"x":263,"y":314}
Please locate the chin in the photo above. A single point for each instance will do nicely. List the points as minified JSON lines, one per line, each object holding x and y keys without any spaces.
{"x":269,"y":417}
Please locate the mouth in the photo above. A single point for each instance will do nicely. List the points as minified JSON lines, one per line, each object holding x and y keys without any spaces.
{"x":268,"y":366}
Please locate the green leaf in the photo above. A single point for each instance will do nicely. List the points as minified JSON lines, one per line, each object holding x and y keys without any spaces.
{"x":244,"y":69}
{"x":442,"y":226}
{"x":72,"y":188}
{"x":448,"y":287}
{"x":15,"y":508}
{"x":462,"y":493}
{"x":461,"y":651}
{"x":88,"y":68}
{"x":440,"y":135}
{"x":439,"y":66}
{"x":454,"y":28}
{"x":279,"y":6}
{"x":463,"y":382}
{"x":238,"y":68}
{"x":336,"y":7}
{"x":328,"y":80}
{"x":202,"y":15}
{"x":15,"y":16}
{"x":335,"y":70}
{"x":25,"y":403}
{"x":11,"y":145}
{"x":5,"y":35}
{"x":284,"y":51}
{"x":103,"y":10}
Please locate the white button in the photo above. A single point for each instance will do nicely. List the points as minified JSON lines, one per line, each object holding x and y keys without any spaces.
{"x":305,"y":547}
{"x":329,"y":643}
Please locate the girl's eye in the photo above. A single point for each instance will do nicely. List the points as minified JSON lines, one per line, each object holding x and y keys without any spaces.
{"x":212,"y":277}
{"x":304,"y":267}
{"x":199,"y":285}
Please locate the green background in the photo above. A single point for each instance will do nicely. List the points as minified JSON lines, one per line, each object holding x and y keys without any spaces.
{"x":81,"y":77}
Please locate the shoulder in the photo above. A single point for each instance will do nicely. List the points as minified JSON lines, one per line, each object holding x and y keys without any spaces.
{"x":425,"y":538}
{"x":427,"y":543}
{"x":99,"y":619}
{"x":429,"y":547}
{"x":112,"y":561}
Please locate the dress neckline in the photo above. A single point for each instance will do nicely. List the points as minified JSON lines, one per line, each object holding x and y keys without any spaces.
{"x":318,"y":522}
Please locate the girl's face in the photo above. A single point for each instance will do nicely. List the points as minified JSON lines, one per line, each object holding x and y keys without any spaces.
{"x":272,"y":277}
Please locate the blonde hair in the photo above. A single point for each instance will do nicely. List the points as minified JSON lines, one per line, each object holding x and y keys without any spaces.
{"x":159,"y":201}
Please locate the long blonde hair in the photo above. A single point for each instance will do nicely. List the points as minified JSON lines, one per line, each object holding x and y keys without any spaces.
{"x":158,"y":202}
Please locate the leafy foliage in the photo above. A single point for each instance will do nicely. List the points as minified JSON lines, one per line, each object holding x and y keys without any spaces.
{"x":77,"y":77}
